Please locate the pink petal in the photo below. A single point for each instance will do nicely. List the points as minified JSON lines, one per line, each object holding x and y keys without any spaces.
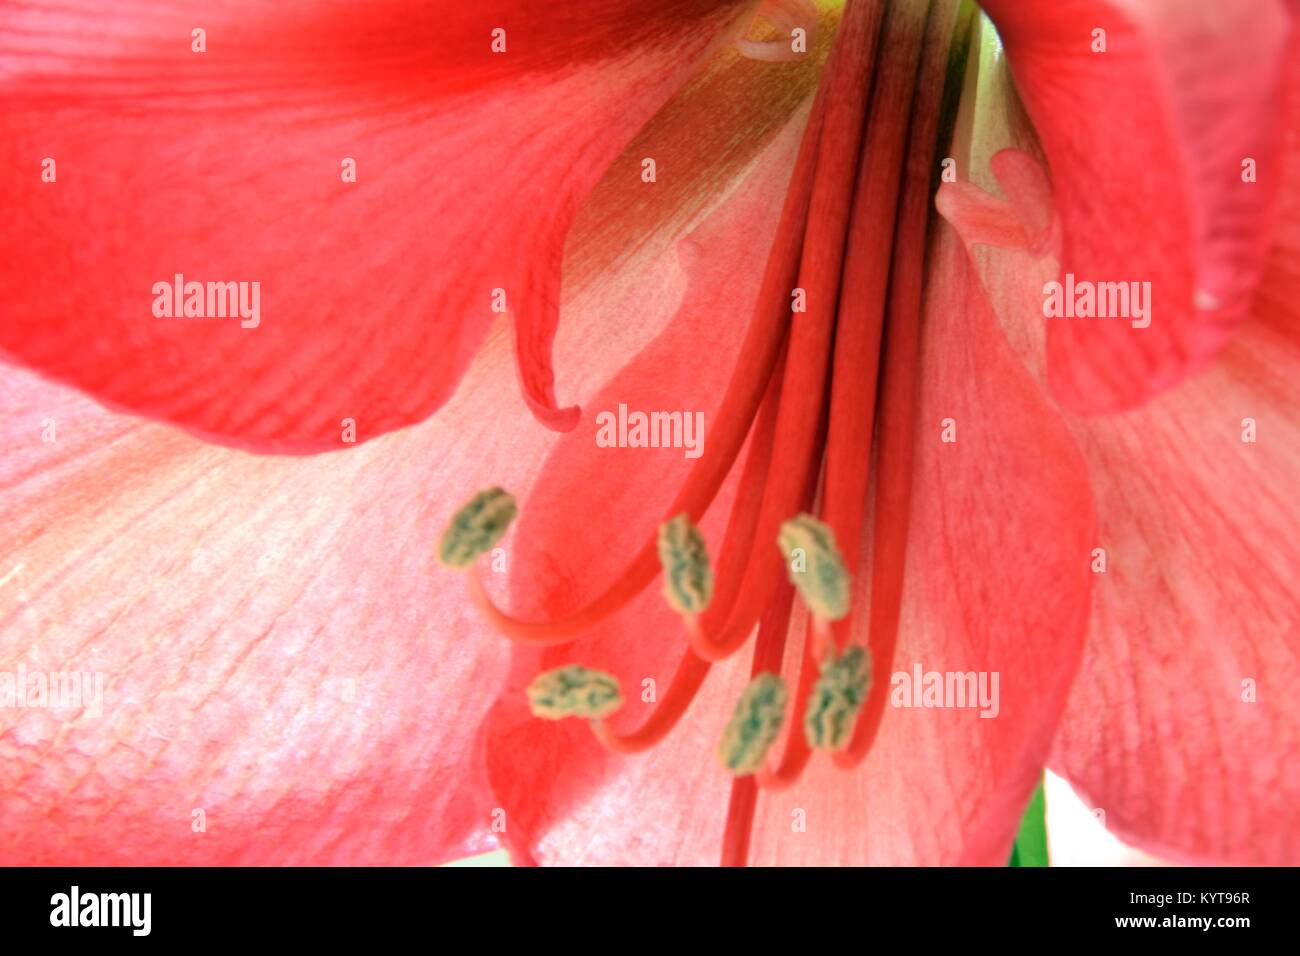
{"x":1197,"y":596}
{"x":1146,"y":143}
{"x":227,"y":166}
{"x":277,"y":646}
{"x":1183,"y":726}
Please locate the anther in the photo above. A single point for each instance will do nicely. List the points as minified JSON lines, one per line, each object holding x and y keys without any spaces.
{"x":574,"y":691}
{"x":836,"y":698}
{"x":754,"y":725}
{"x":815,"y":566}
{"x":688,"y":578}
{"x":476,"y":527}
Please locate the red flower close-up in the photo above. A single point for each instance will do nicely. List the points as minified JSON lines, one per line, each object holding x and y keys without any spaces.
{"x":617,"y":433}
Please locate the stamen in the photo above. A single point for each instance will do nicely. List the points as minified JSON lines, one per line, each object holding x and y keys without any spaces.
{"x":860,"y":324}
{"x":803,"y":399}
{"x":574,"y":691}
{"x":685,"y":684}
{"x":768,"y":651}
{"x":797,"y":752}
{"x":833,"y":244}
{"x":688,"y":578}
{"x":737,"y":541}
{"x":754,"y":725}
{"x":836,"y":698}
{"x":947,"y":42}
{"x":476,"y":527}
{"x":857,"y":345}
{"x":815,"y":567}
{"x":753,"y":370}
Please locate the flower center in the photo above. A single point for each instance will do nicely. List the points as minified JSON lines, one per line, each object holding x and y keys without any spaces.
{"x":824,"y":388}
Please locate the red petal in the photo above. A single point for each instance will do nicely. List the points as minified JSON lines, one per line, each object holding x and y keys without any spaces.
{"x":245,"y":671}
{"x":226,"y":166}
{"x":1163,"y":731}
{"x":1197,"y":597}
{"x":276,"y":644}
{"x":1146,"y":143}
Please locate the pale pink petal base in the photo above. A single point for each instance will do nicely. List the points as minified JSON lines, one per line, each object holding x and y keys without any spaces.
{"x":288,"y":677}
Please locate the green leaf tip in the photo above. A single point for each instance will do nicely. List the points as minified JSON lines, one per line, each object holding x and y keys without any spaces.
{"x":1030,"y":848}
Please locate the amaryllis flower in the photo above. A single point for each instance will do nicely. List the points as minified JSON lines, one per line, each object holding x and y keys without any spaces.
{"x":909,"y":402}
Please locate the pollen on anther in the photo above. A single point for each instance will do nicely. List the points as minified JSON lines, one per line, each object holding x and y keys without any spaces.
{"x":836,"y":698}
{"x":688,"y":577}
{"x":476,"y":527}
{"x":815,"y":566}
{"x":754,"y":725}
{"x":574,"y":691}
